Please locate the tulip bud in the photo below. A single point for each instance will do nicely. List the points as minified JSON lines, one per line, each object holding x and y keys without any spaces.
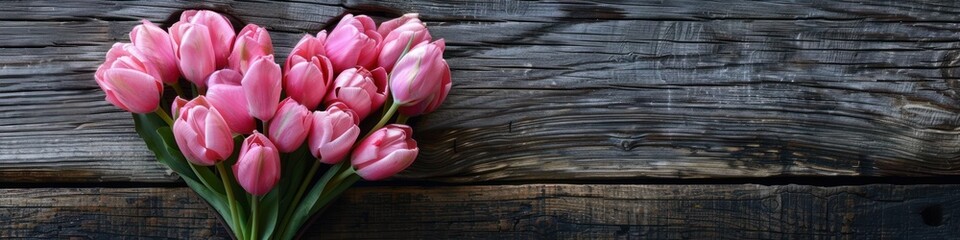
{"x":333,"y":133}
{"x":157,"y":46}
{"x":421,"y":79}
{"x":227,"y":95}
{"x":384,"y":153}
{"x":197,"y":59}
{"x":258,"y":166}
{"x":201,"y":133}
{"x":400,"y":34}
{"x":261,"y":86}
{"x":253,"y":42}
{"x":307,"y":80}
{"x":220,"y":31}
{"x":361,"y":90}
{"x":353,"y":42}
{"x":289,"y":126}
{"x":307,"y":48}
{"x":128,"y":81}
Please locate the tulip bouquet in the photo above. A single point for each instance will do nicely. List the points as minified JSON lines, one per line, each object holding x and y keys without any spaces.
{"x":251,"y":137}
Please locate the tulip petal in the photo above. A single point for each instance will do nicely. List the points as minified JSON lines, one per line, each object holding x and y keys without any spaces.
{"x":181,"y":133}
{"x":332,"y":135}
{"x":218,"y":138}
{"x":196,"y":55}
{"x":136,"y":91}
{"x":357,"y":100}
{"x":390,"y":165}
{"x":306,"y":83}
{"x":158,"y":47}
{"x":227,"y":96}
{"x":336,"y":149}
{"x":290,"y":126}
{"x":261,"y":85}
{"x":258,"y":166}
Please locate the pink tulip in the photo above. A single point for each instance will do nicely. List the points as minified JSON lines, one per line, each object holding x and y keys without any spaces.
{"x":361,"y":90}
{"x":306,"y":81}
{"x":421,"y":79}
{"x":128,"y":81}
{"x":400,"y":34}
{"x":157,"y":46}
{"x":258,"y":166}
{"x":307,"y":48}
{"x":353,"y":42}
{"x":202,"y":134}
{"x":384,"y":153}
{"x":333,"y":133}
{"x":290,"y":126}
{"x":220,"y":31}
{"x":227,"y":95}
{"x":197,"y":59}
{"x":261,"y":86}
{"x":253,"y":42}
{"x":176,"y":105}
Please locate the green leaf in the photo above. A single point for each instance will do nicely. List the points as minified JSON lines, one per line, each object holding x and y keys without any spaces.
{"x":147,"y":125}
{"x":293,"y":171}
{"x":269,"y":212}
{"x":344,"y":179}
{"x":217,"y":201}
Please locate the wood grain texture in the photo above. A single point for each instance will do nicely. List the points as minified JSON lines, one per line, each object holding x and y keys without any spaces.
{"x":558,"y":91}
{"x":534,"y":211}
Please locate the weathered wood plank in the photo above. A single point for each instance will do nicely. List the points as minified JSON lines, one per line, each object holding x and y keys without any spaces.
{"x":519,"y":211}
{"x":548,"y":90}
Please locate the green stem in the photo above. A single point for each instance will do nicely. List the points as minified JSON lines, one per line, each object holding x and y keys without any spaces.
{"x":176,"y":88}
{"x":163,"y":114}
{"x":296,"y":199}
{"x":263,"y":125}
{"x":230,"y":198}
{"x":383,"y":120}
{"x":402,"y":119}
{"x":347,"y":178}
{"x":387,"y":103}
{"x":255,"y":205}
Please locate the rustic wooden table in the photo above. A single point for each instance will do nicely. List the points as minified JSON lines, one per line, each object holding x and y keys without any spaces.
{"x":648,"y":119}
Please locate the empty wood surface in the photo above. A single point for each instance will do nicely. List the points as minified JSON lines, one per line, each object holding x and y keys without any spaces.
{"x":535,"y":211}
{"x":556,"y":91}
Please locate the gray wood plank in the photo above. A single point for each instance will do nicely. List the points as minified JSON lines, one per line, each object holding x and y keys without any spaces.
{"x":557,"y":91}
{"x":547,"y":211}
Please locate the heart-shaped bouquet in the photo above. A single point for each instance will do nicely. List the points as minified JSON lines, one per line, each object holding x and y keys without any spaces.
{"x":250,"y":136}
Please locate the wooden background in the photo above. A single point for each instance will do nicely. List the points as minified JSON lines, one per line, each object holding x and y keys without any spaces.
{"x":639,"y":119}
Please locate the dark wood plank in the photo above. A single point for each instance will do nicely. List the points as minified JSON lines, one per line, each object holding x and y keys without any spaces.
{"x":106,"y":213}
{"x":544,"y":90}
{"x":518,"y":211}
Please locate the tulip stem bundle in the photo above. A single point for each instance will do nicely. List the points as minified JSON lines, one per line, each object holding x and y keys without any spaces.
{"x":233,"y":118}
{"x":300,"y":191}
